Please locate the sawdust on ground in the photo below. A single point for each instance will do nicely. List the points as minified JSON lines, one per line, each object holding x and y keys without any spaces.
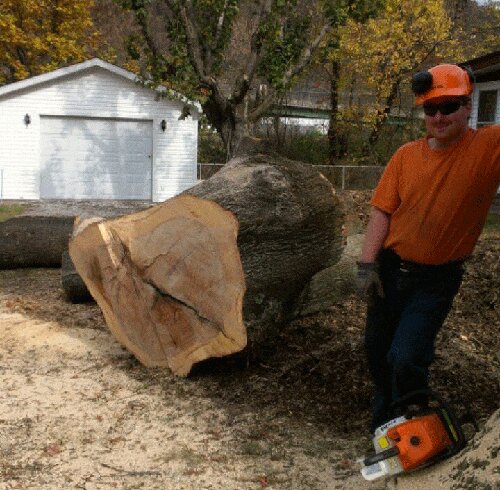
{"x":78,"y":411}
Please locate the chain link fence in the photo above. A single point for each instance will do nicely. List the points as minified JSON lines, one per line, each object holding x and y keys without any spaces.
{"x":348,"y":177}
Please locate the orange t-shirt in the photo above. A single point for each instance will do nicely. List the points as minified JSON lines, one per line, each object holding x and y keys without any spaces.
{"x":439,"y":199}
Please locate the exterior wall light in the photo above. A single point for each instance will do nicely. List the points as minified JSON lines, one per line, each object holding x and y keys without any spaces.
{"x":27,"y":119}
{"x":163,"y":125}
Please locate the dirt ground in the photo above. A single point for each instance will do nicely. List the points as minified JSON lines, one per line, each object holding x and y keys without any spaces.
{"x":78,"y":411}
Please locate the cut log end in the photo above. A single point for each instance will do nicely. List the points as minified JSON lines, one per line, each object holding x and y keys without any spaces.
{"x":169,"y":281}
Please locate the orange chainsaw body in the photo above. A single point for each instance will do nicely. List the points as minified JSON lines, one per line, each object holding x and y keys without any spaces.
{"x":419,"y":439}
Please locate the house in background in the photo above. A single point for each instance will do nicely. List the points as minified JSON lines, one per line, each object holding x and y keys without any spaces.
{"x":90,"y":131}
{"x":486,"y":95}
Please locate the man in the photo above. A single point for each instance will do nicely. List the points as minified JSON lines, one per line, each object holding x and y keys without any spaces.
{"x":428,"y":211}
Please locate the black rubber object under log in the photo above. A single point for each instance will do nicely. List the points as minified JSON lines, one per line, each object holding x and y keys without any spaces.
{"x":74,"y":288}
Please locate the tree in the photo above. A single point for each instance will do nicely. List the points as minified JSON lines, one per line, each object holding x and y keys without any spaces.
{"x":235,"y":56}
{"x":477,"y":26}
{"x":117,"y":33}
{"x":360,"y":13}
{"x":37,"y":36}
{"x":384,"y":52}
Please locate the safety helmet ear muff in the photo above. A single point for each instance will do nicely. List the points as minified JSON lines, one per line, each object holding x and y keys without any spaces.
{"x":441,"y":81}
{"x":421,"y":82}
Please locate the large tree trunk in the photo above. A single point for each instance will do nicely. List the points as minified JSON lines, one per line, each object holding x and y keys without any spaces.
{"x":234,"y":133}
{"x":39,"y":237}
{"x":201,"y":274}
{"x":331,"y":285}
{"x":168,"y":280}
{"x":230,"y":126}
{"x":34,"y":241}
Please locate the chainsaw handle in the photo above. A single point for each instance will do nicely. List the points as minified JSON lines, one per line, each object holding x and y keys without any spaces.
{"x":376,"y":458}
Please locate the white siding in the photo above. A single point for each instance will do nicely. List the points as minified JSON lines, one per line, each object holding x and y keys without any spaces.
{"x":95,"y":92}
{"x":475,"y":100}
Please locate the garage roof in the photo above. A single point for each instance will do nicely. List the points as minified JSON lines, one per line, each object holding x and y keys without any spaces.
{"x":93,"y":63}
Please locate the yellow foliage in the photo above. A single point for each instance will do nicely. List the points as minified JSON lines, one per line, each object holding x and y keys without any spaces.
{"x":385,"y":51}
{"x":133,"y":66}
{"x":37,"y":36}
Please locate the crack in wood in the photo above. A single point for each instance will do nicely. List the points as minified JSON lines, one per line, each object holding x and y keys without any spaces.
{"x":172,"y":298}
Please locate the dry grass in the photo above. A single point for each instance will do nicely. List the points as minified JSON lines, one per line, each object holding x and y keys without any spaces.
{"x":8,"y":211}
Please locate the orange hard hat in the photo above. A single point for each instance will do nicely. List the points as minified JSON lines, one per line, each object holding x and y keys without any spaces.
{"x":441,"y":81}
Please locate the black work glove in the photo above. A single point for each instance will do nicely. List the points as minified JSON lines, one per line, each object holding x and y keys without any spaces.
{"x":368,"y":283}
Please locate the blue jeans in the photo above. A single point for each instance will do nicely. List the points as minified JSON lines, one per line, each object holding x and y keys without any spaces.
{"x":401,"y":328}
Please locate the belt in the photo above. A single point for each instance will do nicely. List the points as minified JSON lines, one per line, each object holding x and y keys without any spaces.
{"x":408,"y":266}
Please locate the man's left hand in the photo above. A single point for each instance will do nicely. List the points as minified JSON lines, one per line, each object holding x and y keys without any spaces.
{"x":368,"y":281}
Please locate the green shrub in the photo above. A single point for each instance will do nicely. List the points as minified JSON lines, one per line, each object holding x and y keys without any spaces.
{"x":210,"y":146}
{"x":310,"y":147}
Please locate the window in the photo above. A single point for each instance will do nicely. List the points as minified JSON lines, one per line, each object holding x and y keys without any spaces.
{"x":487,"y":107}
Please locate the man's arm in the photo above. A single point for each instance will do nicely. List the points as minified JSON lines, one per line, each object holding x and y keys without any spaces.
{"x":368,"y":282}
{"x":376,"y":232}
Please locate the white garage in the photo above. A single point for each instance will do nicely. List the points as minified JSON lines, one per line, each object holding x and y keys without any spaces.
{"x":90,"y":131}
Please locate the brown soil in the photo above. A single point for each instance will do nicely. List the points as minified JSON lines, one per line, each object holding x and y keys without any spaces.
{"x":78,"y":411}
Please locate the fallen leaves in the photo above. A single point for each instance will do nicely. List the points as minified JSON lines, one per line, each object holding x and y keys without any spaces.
{"x":53,"y":449}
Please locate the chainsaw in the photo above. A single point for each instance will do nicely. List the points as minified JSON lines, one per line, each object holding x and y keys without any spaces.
{"x":418,"y":438}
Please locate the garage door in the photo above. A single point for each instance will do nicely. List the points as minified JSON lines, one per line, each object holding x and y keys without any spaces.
{"x":95,"y":158}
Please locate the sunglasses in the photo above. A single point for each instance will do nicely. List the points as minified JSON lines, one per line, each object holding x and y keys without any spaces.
{"x":445,"y":108}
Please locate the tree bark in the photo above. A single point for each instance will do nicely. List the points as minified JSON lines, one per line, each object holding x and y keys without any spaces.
{"x":331,"y":285}
{"x":383,"y":115}
{"x":335,"y":138}
{"x":34,"y":241}
{"x":221,"y":265}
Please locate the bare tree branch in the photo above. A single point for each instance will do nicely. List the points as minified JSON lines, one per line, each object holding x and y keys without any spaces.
{"x":193,"y":42}
{"x":294,"y":70}
{"x":265,"y":104}
{"x":195,"y":50}
{"x":203,"y":47}
{"x":242,"y":86}
{"x":22,"y":56}
{"x":306,"y":55}
{"x":217,"y":38}
{"x":142,"y":20}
